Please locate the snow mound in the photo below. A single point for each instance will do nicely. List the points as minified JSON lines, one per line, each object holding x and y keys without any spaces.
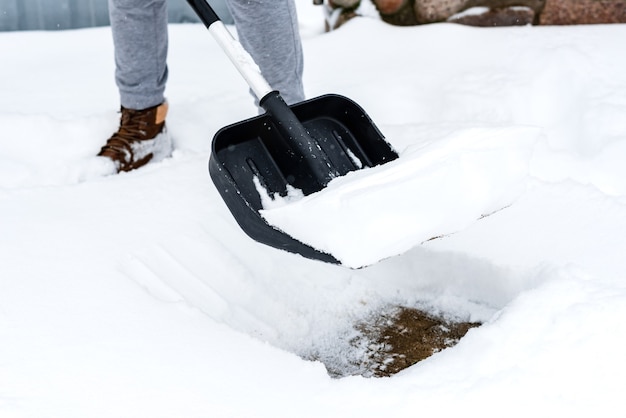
{"x":431,"y":190}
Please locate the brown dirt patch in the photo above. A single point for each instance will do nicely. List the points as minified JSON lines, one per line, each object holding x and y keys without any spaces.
{"x":404,"y":336}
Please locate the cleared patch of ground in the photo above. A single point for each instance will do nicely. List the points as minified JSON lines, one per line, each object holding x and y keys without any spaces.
{"x":398,"y":338}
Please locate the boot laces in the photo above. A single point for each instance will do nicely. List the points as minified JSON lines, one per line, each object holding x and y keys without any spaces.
{"x":132,"y":129}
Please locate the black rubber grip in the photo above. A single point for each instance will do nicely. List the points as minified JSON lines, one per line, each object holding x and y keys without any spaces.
{"x":204,"y":11}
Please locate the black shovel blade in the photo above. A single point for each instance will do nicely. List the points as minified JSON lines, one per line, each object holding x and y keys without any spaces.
{"x":254,"y":153}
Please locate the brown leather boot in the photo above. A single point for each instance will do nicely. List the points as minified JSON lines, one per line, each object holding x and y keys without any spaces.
{"x":141,"y":138}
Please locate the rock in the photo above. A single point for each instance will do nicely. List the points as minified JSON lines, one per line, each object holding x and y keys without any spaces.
{"x":497,"y":12}
{"x":389,"y":7}
{"x":397,"y":12}
{"x":577,"y":12}
{"x":337,"y":13}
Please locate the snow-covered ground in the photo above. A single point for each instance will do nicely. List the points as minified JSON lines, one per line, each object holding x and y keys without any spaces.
{"x":137,"y":295}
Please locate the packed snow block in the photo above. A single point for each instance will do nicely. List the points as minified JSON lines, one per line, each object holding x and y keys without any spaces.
{"x":432,"y":190}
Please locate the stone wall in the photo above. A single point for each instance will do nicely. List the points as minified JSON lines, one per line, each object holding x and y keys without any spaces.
{"x":572,"y":12}
{"x":485,"y":12}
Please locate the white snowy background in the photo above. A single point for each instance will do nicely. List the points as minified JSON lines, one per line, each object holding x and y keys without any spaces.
{"x":137,"y":295}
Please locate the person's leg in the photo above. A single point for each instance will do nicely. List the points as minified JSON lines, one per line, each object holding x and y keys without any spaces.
{"x":140,"y":38}
{"x":268,"y":30}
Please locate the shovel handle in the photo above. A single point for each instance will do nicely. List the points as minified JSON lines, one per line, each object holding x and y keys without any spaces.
{"x":204,"y":11}
{"x":270,"y":100}
{"x":240,"y":58}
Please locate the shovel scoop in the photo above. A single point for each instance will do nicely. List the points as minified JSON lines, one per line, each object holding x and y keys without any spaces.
{"x":299,"y":147}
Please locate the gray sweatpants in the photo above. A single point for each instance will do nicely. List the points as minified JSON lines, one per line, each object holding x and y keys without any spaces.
{"x":268,"y":29}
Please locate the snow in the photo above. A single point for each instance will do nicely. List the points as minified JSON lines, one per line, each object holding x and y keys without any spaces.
{"x":137,"y":295}
{"x":465,"y":176}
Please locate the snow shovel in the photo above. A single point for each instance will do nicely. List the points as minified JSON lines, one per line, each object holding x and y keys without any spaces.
{"x":302,"y":146}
